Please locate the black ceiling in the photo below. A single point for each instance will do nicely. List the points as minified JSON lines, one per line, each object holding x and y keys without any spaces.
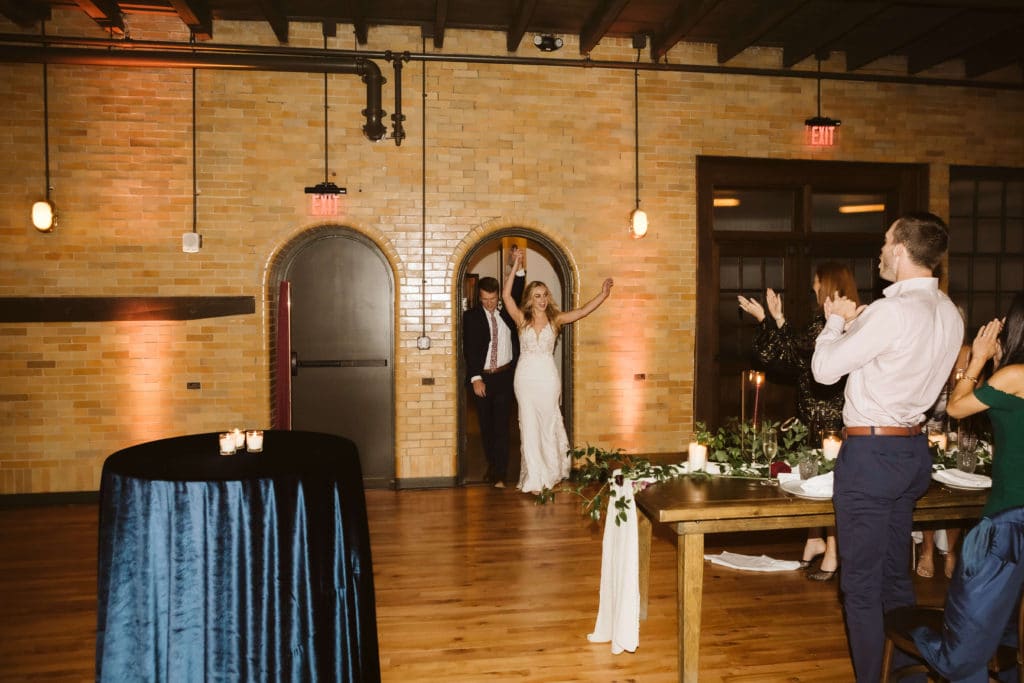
{"x":978,"y":36}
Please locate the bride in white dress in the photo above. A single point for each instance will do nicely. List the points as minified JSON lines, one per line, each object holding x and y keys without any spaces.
{"x":538,"y":388}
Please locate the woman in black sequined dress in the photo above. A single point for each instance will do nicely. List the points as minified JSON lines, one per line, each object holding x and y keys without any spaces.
{"x":781,"y":347}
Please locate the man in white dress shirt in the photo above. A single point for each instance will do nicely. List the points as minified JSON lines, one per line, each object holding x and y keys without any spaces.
{"x":897,"y":353}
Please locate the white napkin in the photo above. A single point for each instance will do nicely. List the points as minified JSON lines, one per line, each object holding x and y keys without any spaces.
{"x":752,"y":563}
{"x":783,"y":477}
{"x":618,"y":611}
{"x":967,"y":480}
{"x":820,"y":485}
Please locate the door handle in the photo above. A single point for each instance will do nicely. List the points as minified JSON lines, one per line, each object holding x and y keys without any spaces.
{"x":336,"y":363}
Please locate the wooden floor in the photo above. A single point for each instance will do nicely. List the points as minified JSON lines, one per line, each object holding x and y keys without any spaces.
{"x":472,"y":585}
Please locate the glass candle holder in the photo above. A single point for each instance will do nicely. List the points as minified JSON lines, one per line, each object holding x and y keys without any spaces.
{"x":227,"y":443}
{"x":254,"y":441}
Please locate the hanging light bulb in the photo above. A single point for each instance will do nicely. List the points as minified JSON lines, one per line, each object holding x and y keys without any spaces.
{"x":638,"y":223}
{"x":43,"y":217}
{"x":638,"y":217}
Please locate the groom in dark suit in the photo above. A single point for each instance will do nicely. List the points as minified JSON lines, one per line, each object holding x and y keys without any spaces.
{"x":490,"y":345}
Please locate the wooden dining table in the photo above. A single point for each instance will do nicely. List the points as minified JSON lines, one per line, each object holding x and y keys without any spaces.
{"x":695,"y":506}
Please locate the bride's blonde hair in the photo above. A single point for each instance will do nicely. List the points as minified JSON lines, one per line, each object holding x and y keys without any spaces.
{"x":526,"y":306}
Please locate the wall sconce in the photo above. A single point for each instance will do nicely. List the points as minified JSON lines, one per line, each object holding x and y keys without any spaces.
{"x":638,"y":217}
{"x":821,"y":131}
{"x":547,"y":42}
{"x":43,"y":216}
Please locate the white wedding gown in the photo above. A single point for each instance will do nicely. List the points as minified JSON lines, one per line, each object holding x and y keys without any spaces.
{"x":542,"y":433}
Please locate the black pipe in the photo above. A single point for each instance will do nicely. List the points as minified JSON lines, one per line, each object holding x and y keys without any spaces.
{"x":397,"y":129}
{"x":299,"y":55}
{"x":374,"y":129}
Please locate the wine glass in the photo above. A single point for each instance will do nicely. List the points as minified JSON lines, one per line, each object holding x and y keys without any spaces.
{"x":769,"y":444}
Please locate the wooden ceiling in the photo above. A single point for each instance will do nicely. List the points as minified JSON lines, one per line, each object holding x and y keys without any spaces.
{"x":980,"y":36}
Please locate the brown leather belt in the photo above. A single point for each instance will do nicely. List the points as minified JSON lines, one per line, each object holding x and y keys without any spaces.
{"x":495,"y":371}
{"x":882,"y":431}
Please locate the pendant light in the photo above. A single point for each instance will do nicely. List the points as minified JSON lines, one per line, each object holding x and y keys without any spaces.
{"x":325,"y":195}
{"x":43,"y":216}
{"x":638,"y":217}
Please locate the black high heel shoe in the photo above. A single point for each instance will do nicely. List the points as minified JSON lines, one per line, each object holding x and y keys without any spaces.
{"x":806,"y":564}
{"x":822,"y":575}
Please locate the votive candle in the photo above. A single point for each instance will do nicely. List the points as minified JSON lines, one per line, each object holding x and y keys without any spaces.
{"x":239,"y":437}
{"x":830,"y":446}
{"x":254,"y":440}
{"x":227,"y":443}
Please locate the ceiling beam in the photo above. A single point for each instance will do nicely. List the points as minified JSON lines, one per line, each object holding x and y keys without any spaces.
{"x":274,"y":14}
{"x":105,"y":13}
{"x":1005,"y":49}
{"x":903,"y":25}
{"x":440,"y":22}
{"x":360,"y":25}
{"x":687,"y":15}
{"x":745,"y":31}
{"x":597,"y":24}
{"x":24,"y":13}
{"x":957,"y":36}
{"x":517,"y":26}
{"x":841,"y":20}
{"x":196,"y":15}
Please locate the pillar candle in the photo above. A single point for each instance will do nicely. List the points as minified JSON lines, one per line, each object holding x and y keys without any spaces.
{"x":698,"y":456}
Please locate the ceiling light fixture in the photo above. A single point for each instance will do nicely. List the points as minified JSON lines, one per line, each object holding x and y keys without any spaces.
{"x":546,"y":42}
{"x":44,"y":217}
{"x":324,"y":196}
{"x":862,"y":208}
{"x":821,"y":131}
{"x":638,"y":218}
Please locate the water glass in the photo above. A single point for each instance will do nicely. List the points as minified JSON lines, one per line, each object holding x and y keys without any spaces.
{"x":808,"y":466}
{"x":966,"y":461}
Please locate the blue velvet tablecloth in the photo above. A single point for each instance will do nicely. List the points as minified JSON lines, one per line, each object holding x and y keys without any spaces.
{"x":251,"y":567}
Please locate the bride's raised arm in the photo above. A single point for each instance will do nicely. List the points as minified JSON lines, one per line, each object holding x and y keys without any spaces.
{"x":511,"y":305}
{"x":566,"y":317}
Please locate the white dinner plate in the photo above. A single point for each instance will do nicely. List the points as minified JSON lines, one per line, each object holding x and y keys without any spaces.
{"x":975,"y":482}
{"x":793,"y":486}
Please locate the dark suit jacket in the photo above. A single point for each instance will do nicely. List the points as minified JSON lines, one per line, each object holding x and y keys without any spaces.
{"x":476,"y":333}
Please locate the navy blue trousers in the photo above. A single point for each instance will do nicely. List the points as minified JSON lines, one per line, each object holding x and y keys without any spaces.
{"x":981,"y":605}
{"x":878,"y":479}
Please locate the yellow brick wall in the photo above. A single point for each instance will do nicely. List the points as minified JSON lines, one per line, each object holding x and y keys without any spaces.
{"x":546,"y":148}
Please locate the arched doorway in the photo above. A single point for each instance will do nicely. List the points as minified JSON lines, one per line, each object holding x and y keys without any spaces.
{"x":341,"y":347}
{"x":545,"y":261}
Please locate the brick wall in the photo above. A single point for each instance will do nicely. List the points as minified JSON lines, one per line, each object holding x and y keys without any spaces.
{"x":546,"y":148}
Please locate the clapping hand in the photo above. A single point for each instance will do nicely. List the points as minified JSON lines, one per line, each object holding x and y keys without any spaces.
{"x":841,"y":306}
{"x":986,"y":343}
{"x":751,"y":306}
{"x":774,"y":302}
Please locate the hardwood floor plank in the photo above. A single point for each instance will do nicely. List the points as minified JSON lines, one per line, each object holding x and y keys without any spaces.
{"x":472,"y":584}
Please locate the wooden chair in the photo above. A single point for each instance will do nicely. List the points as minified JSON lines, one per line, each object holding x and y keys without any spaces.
{"x":901,"y":622}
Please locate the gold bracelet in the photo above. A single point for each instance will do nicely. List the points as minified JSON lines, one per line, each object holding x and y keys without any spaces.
{"x":962,"y":374}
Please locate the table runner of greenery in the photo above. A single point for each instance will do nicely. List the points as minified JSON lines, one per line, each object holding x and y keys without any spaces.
{"x":735,"y":448}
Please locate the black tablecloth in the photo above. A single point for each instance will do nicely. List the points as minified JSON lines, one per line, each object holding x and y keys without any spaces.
{"x":249,"y":567}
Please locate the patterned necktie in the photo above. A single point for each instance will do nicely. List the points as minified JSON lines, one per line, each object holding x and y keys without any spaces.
{"x":494,"y":341}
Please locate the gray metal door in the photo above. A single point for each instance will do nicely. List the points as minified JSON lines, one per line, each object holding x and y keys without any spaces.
{"x":342,"y":327}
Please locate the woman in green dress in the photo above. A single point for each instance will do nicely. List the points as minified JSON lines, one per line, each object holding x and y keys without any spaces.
{"x":986,"y":587}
